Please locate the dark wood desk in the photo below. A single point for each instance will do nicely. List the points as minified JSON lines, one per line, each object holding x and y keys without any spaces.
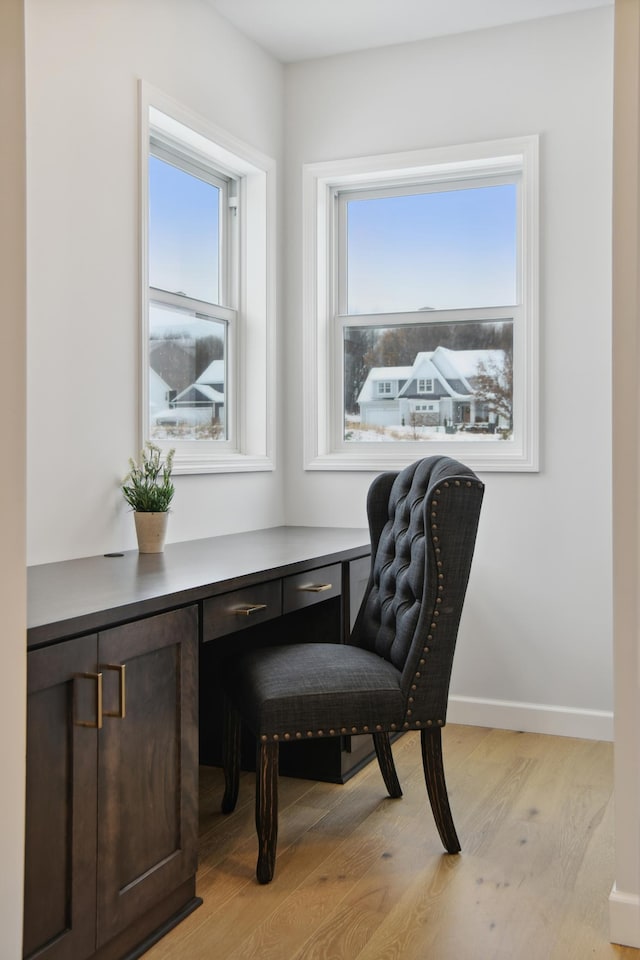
{"x":75,"y":596}
{"x":115,"y":647}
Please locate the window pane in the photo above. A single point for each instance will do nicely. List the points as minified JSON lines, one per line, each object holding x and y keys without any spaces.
{"x":184,"y":215}
{"x":187,"y":374}
{"x":430,"y":380}
{"x":432,"y":251}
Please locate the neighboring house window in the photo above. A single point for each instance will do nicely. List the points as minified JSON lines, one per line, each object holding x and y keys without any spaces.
{"x":207,"y":210}
{"x":425,"y":263}
{"x":384,"y":388}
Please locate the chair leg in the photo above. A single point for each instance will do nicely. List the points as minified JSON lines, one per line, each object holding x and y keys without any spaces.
{"x":231,"y":729}
{"x":266,"y":809}
{"x":431,"y":743}
{"x":387,"y":767}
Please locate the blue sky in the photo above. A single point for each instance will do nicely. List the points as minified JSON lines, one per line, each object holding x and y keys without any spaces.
{"x":445,"y":250}
{"x":183,"y":232}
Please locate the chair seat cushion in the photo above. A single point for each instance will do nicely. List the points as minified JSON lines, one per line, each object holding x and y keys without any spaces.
{"x":314,"y":689}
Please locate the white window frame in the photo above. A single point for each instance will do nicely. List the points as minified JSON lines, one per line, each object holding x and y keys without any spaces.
{"x":385,"y":388}
{"x":247,"y":285}
{"x":480,"y":163}
{"x":425,"y":385}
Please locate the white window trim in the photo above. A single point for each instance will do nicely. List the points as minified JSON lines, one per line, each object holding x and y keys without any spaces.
{"x":425,"y":389}
{"x":252,"y":350}
{"x":322,"y":360}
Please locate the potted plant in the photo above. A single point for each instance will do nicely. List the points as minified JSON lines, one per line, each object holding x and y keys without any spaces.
{"x":148,"y":490}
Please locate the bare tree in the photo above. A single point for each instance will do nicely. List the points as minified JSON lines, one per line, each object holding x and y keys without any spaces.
{"x":493,"y":386}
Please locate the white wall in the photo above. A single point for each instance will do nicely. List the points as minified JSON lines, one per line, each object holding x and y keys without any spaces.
{"x":625,"y":896}
{"x":12,"y":476}
{"x":83,"y":63}
{"x":537,"y":626}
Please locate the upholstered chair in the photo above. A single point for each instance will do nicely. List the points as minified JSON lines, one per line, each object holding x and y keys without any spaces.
{"x":393,"y":673}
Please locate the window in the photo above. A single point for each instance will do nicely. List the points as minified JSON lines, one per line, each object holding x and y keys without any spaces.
{"x":207,"y":310}
{"x":192,"y":315}
{"x":424,"y":266}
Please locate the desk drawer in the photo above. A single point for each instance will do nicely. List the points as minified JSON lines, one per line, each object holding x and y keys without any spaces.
{"x":314,"y":586}
{"x":240,"y":609}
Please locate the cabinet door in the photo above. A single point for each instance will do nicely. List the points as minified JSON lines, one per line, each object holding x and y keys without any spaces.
{"x":147,"y":767}
{"x":60,"y":848}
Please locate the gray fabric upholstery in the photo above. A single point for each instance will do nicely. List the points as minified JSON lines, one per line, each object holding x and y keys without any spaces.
{"x":394,"y":674}
{"x":315,"y":689}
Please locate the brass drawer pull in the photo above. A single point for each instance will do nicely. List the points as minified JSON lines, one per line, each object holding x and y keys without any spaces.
{"x":249,"y":608}
{"x":120,"y":713}
{"x":97,"y":723}
{"x":315,"y":588}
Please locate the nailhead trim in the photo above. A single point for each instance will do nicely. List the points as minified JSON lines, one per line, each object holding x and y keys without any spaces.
{"x":435,"y":613}
{"x":276,"y":737}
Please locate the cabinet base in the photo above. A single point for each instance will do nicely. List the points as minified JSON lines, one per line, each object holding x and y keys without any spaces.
{"x":141,"y":936}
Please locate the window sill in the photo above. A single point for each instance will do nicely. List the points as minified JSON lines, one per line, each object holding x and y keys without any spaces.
{"x":495,"y":456}
{"x":231,"y":463}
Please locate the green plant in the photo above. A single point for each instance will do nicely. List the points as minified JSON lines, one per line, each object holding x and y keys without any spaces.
{"x":147,"y":487}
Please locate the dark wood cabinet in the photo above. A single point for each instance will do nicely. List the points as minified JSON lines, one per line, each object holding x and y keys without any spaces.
{"x":112,"y":768}
{"x":115,"y":645}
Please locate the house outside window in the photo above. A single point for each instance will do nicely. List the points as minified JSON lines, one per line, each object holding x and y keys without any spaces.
{"x":207,"y":214}
{"x":424,"y":264}
{"x":384,"y":387}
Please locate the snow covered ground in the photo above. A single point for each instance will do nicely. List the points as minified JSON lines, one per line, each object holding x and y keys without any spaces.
{"x":355,"y":432}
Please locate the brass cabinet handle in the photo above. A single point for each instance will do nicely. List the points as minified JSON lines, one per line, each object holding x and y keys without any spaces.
{"x":97,"y":723}
{"x":315,"y":588}
{"x":120,"y":713}
{"x":249,"y":608}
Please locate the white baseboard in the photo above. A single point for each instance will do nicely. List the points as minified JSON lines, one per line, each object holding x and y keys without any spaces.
{"x":624,"y":918}
{"x":531,"y":718}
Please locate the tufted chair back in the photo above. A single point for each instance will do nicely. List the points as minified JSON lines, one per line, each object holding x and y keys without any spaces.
{"x":423,"y":523}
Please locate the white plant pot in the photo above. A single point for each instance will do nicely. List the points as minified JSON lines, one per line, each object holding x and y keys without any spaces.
{"x":151,"y":529}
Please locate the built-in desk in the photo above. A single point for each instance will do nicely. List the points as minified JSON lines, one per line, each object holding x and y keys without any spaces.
{"x":118,"y":647}
{"x":74,"y":596}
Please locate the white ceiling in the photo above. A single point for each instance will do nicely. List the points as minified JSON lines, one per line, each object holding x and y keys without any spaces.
{"x":301,"y":29}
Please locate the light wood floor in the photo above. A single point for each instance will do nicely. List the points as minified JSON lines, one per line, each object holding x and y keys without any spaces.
{"x":359,"y":875}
